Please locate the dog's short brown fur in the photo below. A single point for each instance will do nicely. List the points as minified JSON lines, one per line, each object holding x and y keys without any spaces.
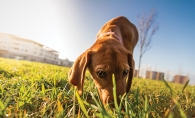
{"x":112,"y":53}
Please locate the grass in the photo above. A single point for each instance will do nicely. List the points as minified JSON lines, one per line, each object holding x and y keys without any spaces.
{"x":31,"y":89}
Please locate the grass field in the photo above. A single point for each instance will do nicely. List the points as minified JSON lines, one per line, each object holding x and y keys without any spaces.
{"x":31,"y":89}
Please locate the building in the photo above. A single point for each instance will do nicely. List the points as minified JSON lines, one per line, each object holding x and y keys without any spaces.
{"x":135,"y":74}
{"x":180,"y":79}
{"x":65,"y":62}
{"x":15,"y":47}
{"x":154,"y":75}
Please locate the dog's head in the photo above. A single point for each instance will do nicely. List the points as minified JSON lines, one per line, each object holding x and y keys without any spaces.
{"x":104,"y":58}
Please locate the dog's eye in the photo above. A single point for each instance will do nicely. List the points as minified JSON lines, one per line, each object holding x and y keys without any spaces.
{"x":125,"y":72}
{"x":101,"y":73}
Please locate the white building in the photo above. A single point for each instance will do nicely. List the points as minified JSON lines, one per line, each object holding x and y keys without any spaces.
{"x":12,"y":46}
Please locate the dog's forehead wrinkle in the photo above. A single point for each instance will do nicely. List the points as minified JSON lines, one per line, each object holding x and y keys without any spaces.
{"x":111,"y":58}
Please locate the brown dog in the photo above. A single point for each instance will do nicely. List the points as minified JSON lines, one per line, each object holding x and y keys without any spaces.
{"x":112,"y":53}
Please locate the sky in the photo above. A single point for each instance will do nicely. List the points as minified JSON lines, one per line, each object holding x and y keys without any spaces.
{"x":70,"y":27}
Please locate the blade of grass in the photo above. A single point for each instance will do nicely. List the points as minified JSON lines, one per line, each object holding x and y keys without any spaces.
{"x":2,"y":109}
{"x":185,"y":86}
{"x":137,"y":98}
{"x":167,"y":85}
{"x":180,"y":109}
{"x":91,"y":106}
{"x":54,"y":82}
{"x":114,"y":92}
{"x":121,"y":101}
{"x":74,"y":99}
{"x":115,"y":98}
{"x":146,"y":107}
{"x":99,"y":98}
{"x":81,"y":105}
{"x":170,"y":115}
{"x":59,"y":107}
{"x":43,"y":89}
{"x":127,"y":107}
{"x":100,"y":107}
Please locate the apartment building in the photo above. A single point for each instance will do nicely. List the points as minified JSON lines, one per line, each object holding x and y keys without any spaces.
{"x":15,"y":47}
{"x":154,"y":75}
{"x":135,"y":73}
{"x":180,"y":79}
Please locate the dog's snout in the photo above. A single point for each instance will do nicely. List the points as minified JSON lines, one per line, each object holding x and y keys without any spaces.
{"x":107,"y":96}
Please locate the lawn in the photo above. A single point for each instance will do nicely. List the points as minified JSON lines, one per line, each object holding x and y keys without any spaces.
{"x":31,"y":89}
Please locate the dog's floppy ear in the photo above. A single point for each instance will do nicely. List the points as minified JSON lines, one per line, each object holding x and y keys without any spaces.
{"x":129,"y":79}
{"x":76,"y":74}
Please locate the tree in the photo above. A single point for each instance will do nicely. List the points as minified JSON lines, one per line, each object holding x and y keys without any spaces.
{"x":147,"y":28}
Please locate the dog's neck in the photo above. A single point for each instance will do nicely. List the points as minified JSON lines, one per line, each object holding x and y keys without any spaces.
{"x":110,"y":33}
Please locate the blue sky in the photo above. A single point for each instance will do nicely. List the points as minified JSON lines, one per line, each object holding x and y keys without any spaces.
{"x":70,"y":27}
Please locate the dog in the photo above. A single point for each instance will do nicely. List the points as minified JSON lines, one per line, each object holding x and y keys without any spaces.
{"x":112,"y":53}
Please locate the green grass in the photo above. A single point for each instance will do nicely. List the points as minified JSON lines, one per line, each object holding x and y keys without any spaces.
{"x":31,"y":89}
